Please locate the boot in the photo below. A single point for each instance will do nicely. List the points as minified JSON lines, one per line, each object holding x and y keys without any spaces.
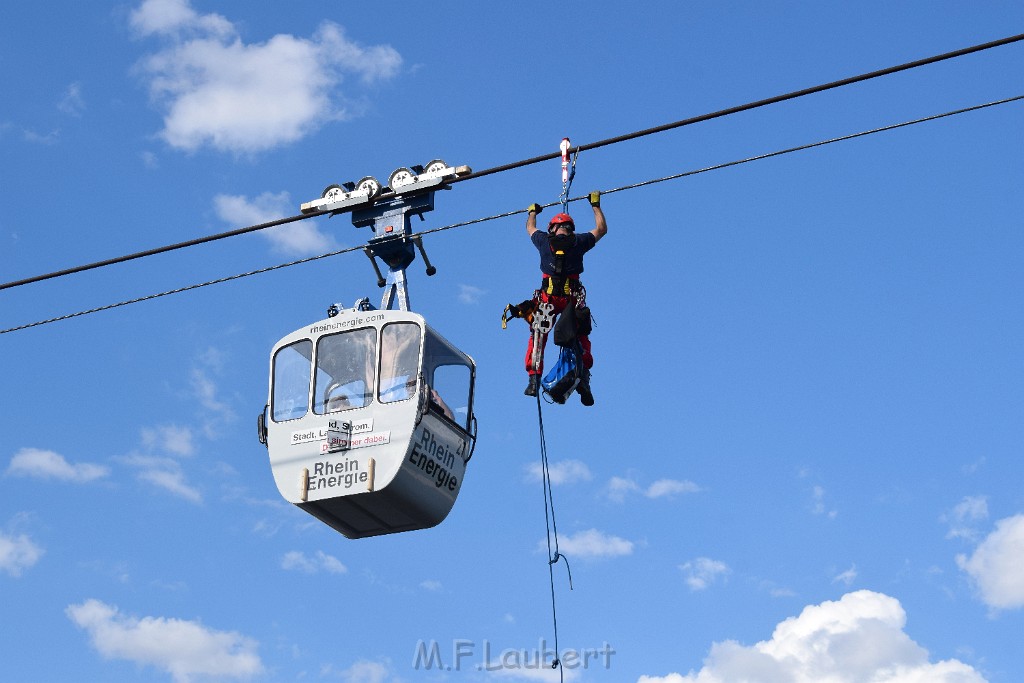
{"x":583,"y":389}
{"x":531,"y":388}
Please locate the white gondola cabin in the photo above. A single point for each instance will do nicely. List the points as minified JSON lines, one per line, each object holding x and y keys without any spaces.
{"x":369,"y":423}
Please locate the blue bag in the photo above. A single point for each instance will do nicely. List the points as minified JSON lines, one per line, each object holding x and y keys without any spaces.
{"x":562,"y":379}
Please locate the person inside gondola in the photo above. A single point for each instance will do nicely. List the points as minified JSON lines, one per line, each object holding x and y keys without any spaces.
{"x":399,"y":360}
{"x":435,"y":398}
{"x":346,"y":361}
{"x":561,"y":251}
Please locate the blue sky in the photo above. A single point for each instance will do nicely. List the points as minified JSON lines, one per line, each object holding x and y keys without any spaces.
{"x":804,"y":460}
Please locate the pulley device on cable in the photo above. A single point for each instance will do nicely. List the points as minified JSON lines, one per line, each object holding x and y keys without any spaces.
{"x":568,"y":172}
{"x":369,"y":422}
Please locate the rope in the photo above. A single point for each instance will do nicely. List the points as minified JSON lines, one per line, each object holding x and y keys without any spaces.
{"x":508,"y":214}
{"x":552,"y":533}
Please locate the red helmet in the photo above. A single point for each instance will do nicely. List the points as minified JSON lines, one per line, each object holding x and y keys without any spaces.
{"x":561,"y":219}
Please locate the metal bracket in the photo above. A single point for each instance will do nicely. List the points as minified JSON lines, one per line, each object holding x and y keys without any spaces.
{"x":388,"y":211}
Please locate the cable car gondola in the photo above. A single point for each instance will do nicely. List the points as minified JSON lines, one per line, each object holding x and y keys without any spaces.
{"x":369,"y":423}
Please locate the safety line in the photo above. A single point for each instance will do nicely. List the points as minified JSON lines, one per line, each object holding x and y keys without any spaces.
{"x":552,"y":532}
{"x":546,"y":157}
{"x":507,"y":214}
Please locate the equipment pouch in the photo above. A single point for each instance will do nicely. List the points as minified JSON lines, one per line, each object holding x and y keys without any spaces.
{"x":565,"y":326}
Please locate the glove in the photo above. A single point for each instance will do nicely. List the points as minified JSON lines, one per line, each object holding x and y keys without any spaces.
{"x":595,"y":198}
{"x":534,"y":208}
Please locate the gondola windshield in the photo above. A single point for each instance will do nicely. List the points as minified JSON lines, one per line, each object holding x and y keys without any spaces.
{"x":345,"y":370}
{"x":346,"y":373}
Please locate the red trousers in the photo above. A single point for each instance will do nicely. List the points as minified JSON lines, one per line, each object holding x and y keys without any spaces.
{"x":559,"y":302}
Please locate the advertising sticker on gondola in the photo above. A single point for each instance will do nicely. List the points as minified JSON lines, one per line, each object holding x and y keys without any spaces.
{"x":333,"y":429}
{"x":343,"y":441}
{"x":339,"y":474}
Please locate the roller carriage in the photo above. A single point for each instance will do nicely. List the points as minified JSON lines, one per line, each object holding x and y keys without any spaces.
{"x":369,"y":423}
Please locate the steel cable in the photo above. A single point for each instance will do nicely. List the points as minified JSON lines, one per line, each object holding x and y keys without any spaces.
{"x":545,"y":157}
{"x":507,"y":214}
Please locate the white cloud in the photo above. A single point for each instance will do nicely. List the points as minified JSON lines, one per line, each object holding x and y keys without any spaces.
{"x":516,"y":671}
{"x":468,"y":294}
{"x":856,"y":639}
{"x":42,"y":464}
{"x":18,"y":553}
{"x":172,"y":480}
{"x":362,"y":671}
{"x":175,"y":16}
{"x":962,"y":518}
{"x":431,"y":585}
{"x":593,"y":544}
{"x":240,"y":211}
{"x":703,"y":571}
{"x":563,"y":472}
{"x":298,"y":239}
{"x":818,"y":506}
{"x":217,"y":90}
{"x":165,"y":473}
{"x":318,"y":562}
{"x":973,"y":467}
{"x":996,"y":564}
{"x":72,"y":103}
{"x":160,"y":470}
{"x":848,"y":577}
{"x":670,"y":487}
{"x":216,"y":411}
{"x":186,"y":650}
{"x":169,"y":438}
{"x":620,"y":487}
{"x":51,"y":138}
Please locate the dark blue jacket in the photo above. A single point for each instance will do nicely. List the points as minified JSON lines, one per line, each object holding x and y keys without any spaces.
{"x":573,"y":263}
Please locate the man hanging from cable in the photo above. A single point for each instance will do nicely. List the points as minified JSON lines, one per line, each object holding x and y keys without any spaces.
{"x":561,"y":262}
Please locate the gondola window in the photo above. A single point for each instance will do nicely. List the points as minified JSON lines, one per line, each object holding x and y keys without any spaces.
{"x":399,"y":360}
{"x":344,"y":370}
{"x":291,"y":381}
